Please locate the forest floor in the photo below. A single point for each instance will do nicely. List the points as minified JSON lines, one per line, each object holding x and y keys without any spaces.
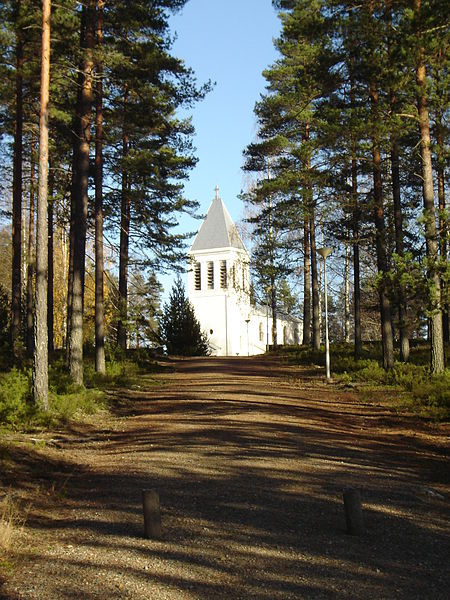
{"x":250,"y":459}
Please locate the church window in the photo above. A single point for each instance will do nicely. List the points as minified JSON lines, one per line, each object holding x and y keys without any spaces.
{"x":223,"y":274}
{"x":261,"y":332}
{"x":285,"y":335}
{"x":296,"y":336}
{"x":210,"y":275}
{"x":198,"y":276}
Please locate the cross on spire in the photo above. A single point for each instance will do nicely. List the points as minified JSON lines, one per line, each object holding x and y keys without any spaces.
{"x":217,"y":192}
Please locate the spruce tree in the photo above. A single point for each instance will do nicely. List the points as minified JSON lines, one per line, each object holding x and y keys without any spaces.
{"x":179,"y":329}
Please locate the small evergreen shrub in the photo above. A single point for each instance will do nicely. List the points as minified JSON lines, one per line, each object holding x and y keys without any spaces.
{"x":66,"y":407}
{"x":15,"y":398}
{"x":428,"y":393}
{"x":179,"y":329}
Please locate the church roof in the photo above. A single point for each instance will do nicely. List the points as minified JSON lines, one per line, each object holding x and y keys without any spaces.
{"x":218,"y":229}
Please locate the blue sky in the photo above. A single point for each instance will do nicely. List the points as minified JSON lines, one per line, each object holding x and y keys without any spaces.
{"x":229,"y":42}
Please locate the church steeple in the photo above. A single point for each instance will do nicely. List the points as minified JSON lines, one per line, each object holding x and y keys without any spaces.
{"x":217,"y":230}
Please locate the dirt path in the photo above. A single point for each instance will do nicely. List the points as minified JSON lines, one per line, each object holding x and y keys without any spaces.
{"x":250,"y":460}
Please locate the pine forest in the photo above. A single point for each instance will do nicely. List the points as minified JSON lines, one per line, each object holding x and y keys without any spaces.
{"x":351,"y":152}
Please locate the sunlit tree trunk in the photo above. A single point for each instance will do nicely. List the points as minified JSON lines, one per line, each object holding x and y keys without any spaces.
{"x":443,"y":223}
{"x":31,"y":254}
{"x":398,"y":223}
{"x":124,"y":239}
{"x":99,"y":299}
{"x":273,"y":302}
{"x":356,"y":262}
{"x":313,"y":255}
{"x":306,"y":284}
{"x":436,"y":328}
{"x":50,"y":207}
{"x":81,"y":200}
{"x":347,"y":293}
{"x":380,"y":228}
{"x":356,"y":213}
{"x":16,"y":283}
{"x":382,"y":265}
{"x":396,"y":196}
{"x":40,"y":363}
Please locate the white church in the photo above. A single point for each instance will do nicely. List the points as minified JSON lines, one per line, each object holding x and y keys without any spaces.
{"x":219,"y":290}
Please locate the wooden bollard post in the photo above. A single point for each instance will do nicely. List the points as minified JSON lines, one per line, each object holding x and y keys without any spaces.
{"x":353,"y":512}
{"x":152,"y":514}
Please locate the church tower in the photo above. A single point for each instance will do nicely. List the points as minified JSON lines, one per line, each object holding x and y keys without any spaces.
{"x":219,"y":282}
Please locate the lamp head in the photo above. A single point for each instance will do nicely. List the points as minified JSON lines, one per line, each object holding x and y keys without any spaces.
{"x":324,"y":252}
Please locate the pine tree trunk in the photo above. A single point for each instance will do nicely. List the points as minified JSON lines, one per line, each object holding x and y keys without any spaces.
{"x":443,"y":224}
{"x":99,"y":299}
{"x":71,"y":241}
{"x":313,"y":255}
{"x":50,"y":320}
{"x":356,"y":287}
{"x":306,"y":285}
{"x":40,"y":363}
{"x":16,"y":283}
{"x":81,"y":200}
{"x":273,"y":301}
{"x":355,"y":205}
{"x":437,"y":333}
{"x":31,"y":254}
{"x":356,"y":265}
{"x":315,"y":284}
{"x":398,"y":214}
{"x":124,"y":241}
{"x":380,"y":242}
{"x":347,"y":293}
{"x":76,"y":134}
{"x":398,"y":223}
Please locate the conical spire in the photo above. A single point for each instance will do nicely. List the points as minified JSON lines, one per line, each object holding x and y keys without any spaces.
{"x":218,"y":229}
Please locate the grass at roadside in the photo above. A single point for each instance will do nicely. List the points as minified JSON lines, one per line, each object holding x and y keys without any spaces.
{"x":11,"y":523}
{"x":66,"y":400}
{"x":421,"y":391}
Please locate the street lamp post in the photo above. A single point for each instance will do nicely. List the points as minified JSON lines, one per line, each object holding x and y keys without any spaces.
{"x":248,"y":339}
{"x":324,"y":253}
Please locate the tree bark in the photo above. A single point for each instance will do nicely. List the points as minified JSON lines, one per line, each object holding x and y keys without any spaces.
{"x":443,"y":224}
{"x":347,"y":292}
{"x":124,"y":239}
{"x":99,"y":298}
{"x":380,"y":236}
{"x":40,"y":363}
{"x":76,"y":135}
{"x":397,"y":202}
{"x":437,"y":333}
{"x":71,"y":239}
{"x":382,"y":266}
{"x":31,"y":254}
{"x":398,"y":224}
{"x":50,"y":320}
{"x":315,"y":283}
{"x":81,"y":200}
{"x":16,"y":282}
{"x":313,"y":255}
{"x":273,"y":301}
{"x":306,"y":285}
{"x":355,"y":205}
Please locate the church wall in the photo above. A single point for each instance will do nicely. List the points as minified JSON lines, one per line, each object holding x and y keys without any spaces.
{"x":288,"y":332}
{"x":221,"y":310}
{"x":221,"y":296}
